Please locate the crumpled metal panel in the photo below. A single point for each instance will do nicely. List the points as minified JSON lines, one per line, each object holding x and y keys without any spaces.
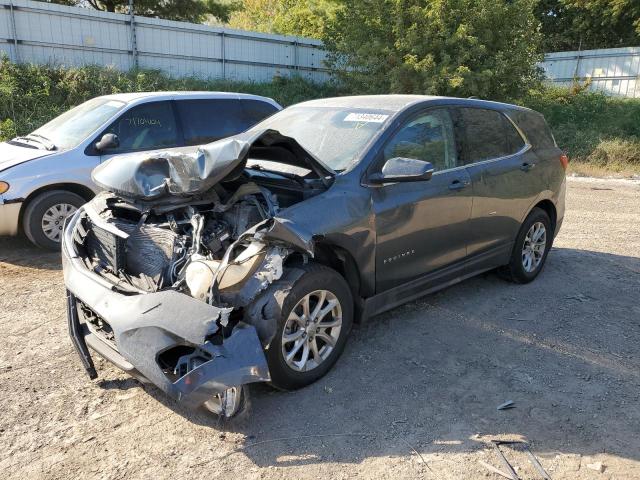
{"x":151,"y":175}
{"x":147,"y":324}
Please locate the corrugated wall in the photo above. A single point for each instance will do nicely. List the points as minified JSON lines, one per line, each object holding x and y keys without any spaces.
{"x":614,"y":70}
{"x":38,"y":32}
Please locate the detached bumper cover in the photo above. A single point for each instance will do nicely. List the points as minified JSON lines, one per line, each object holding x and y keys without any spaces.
{"x":145,"y":325}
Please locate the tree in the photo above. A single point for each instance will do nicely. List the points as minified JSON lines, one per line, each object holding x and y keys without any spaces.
{"x":194,"y":11}
{"x":487,"y":48}
{"x":306,"y":18}
{"x":581,"y":24}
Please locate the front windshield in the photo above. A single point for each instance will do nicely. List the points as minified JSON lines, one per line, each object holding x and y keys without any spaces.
{"x":335,"y":135}
{"x":72,"y":127}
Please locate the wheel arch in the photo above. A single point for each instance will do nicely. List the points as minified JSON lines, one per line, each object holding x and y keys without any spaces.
{"x":549,"y":207}
{"x":340,"y":260}
{"x":79,"y":189}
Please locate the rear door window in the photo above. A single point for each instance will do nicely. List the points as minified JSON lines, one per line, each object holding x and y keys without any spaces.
{"x":488,"y":134}
{"x":145,"y":127}
{"x":205,"y":121}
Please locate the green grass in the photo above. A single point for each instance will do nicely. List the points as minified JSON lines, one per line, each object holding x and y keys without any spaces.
{"x":601,"y":134}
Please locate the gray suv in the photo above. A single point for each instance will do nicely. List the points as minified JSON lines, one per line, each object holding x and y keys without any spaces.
{"x":249,"y":260}
{"x":46,"y":175}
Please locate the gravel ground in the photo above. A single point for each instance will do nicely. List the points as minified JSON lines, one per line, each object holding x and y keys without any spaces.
{"x":413,"y":396}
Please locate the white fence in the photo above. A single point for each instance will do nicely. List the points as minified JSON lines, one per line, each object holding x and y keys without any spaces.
{"x":38,"y":32}
{"x":614,"y":70}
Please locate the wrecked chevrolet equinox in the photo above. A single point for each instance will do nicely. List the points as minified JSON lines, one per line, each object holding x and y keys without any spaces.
{"x":249,"y":260}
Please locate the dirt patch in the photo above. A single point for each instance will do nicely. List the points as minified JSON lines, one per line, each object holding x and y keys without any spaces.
{"x":413,"y":396}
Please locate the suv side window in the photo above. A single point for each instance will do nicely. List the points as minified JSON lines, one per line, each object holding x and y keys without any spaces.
{"x":429,"y":137}
{"x":145,"y":127}
{"x":205,"y":121}
{"x":256,"y":111}
{"x":488,"y":134}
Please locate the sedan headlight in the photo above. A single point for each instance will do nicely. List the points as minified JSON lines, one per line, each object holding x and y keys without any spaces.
{"x":4,"y":186}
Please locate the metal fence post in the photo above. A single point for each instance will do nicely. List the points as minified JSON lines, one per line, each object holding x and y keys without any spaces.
{"x":223,"y":55}
{"x":16,"y":55}
{"x":134,"y":42}
{"x":577,"y":70}
{"x":295,"y":56}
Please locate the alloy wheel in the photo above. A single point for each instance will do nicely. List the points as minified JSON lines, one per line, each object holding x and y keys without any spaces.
{"x":312,"y":330}
{"x":534,"y":247}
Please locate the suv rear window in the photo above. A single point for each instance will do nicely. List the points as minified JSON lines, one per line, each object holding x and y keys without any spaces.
{"x":488,"y":134}
{"x":534,"y":127}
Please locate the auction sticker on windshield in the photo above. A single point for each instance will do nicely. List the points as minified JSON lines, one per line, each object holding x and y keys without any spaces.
{"x":366,"y":117}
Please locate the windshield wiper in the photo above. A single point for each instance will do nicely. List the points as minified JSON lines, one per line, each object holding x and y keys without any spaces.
{"x":42,"y":140}
{"x":291,"y":176}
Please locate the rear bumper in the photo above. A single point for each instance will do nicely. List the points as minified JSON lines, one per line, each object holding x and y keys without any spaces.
{"x":9,"y":217}
{"x":146,"y":325}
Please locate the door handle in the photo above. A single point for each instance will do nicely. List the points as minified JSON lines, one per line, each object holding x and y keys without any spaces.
{"x":458,"y":185}
{"x":525,"y":167}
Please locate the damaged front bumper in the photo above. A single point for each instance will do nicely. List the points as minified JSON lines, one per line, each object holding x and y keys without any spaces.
{"x":142,"y":327}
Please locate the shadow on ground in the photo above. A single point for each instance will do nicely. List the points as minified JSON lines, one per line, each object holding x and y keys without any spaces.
{"x":430,"y":374}
{"x":19,"y":251}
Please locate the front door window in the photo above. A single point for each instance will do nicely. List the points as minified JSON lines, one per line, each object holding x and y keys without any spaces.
{"x":145,"y":127}
{"x":428,"y":137}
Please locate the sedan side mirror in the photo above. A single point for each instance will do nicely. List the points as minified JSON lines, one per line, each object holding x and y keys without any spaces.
{"x":107,"y":142}
{"x":400,"y":169}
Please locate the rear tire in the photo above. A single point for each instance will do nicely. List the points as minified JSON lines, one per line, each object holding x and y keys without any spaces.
{"x":530,"y":249}
{"x":305,"y":347}
{"x":45,"y":215}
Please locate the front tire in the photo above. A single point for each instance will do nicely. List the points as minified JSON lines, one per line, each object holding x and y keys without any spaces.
{"x":312,"y":331}
{"x":531,"y":248}
{"x":45,"y":215}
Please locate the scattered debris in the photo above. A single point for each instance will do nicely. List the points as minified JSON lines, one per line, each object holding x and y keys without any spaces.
{"x":597,"y":466}
{"x":578,"y":296}
{"x":507,"y":405}
{"x":512,"y":475}
{"x":494,"y":469}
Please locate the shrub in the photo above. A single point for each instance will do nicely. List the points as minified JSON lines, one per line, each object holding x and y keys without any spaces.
{"x":31,"y":95}
{"x":591,"y":126}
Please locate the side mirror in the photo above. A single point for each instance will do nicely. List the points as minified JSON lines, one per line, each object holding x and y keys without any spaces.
{"x":107,"y":142}
{"x":403,"y":170}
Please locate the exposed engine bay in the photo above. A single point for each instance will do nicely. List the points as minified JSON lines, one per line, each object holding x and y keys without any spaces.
{"x":185,"y":222}
{"x":198,"y":225}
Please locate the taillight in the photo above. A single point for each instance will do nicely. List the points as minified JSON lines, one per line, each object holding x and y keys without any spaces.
{"x":564,"y":161}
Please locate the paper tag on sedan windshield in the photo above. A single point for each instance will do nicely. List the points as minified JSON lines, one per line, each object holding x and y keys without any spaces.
{"x":366,"y":117}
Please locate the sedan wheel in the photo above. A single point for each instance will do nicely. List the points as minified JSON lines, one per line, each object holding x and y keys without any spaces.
{"x":312,"y":330}
{"x":53,"y":220}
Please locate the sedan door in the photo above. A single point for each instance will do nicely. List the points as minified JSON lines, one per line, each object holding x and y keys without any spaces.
{"x":421,"y":226}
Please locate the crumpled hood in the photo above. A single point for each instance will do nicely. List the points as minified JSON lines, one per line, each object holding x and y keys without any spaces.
{"x":12,"y":155}
{"x":151,"y":175}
